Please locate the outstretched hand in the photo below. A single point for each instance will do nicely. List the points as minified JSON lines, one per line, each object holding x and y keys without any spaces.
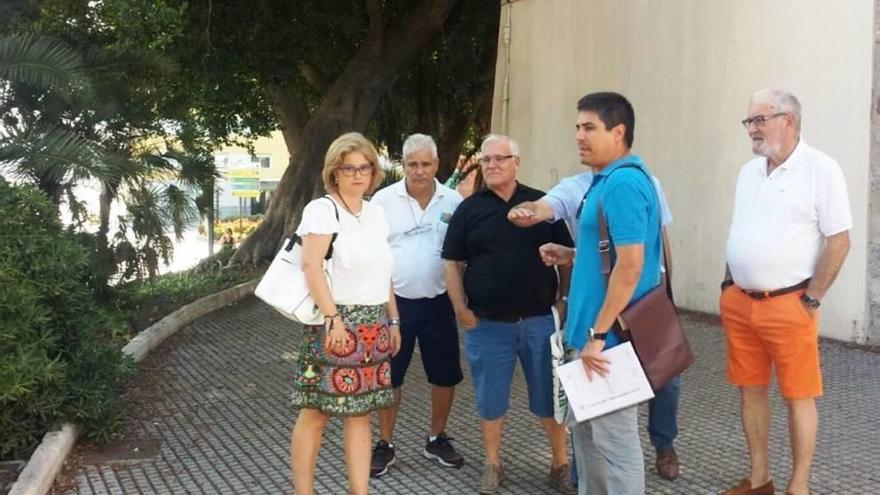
{"x":523,"y":215}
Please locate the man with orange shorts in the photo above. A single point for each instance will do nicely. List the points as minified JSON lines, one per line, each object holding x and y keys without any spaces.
{"x":788,"y":239}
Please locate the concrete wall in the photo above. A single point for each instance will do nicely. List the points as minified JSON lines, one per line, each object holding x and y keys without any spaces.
{"x":689,"y":67}
{"x":873,"y":272}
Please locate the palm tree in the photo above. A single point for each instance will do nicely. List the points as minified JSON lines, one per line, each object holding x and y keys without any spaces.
{"x":53,"y":140}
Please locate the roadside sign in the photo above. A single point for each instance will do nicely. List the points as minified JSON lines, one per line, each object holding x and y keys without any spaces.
{"x":245,"y":182}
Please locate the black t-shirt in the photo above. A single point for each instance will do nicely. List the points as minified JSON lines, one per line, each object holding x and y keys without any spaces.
{"x":504,"y":276}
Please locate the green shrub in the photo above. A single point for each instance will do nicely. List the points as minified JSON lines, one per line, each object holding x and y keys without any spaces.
{"x":146,"y":301}
{"x":59,"y":362}
{"x":240,"y":229}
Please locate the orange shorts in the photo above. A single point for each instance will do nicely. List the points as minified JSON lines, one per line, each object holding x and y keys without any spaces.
{"x":777,"y":331}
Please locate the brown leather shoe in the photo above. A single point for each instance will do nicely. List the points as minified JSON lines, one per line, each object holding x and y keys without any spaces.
{"x":560,"y":479}
{"x":745,"y":488}
{"x":667,"y":465}
{"x":492,"y":477}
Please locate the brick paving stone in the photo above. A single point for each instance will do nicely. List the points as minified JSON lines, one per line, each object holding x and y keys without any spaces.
{"x":221,"y":413}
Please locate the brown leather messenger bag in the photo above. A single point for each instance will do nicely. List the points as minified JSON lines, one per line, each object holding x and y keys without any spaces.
{"x":651,"y":323}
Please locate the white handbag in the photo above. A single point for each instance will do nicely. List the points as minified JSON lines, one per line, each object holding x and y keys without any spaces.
{"x":284,"y":287}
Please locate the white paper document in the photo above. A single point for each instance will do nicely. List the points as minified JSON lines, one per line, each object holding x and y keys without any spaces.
{"x":623,"y":386}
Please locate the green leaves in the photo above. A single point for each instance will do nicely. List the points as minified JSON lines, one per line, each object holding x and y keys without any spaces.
{"x":57,"y":154}
{"x":53,"y":336}
{"x":43,"y":62}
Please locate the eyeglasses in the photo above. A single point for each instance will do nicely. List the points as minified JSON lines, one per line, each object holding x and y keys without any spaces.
{"x":350,"y":170}
{"x":760,"y":120}
{"x":419,"y":229}
{"x":494,"y":158}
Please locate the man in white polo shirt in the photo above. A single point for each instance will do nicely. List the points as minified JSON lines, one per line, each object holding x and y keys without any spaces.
{"x":418,"y":209}
{"x":788,"y":239}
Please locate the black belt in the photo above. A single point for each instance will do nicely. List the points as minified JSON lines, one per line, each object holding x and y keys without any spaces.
{"x":764,"y":294}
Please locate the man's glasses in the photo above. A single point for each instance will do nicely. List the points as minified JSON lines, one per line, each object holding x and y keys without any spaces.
{"x":494,"y":158}
{"x":419,"y":229}
{"x":350,"y":170}
{"x":760,"y":120}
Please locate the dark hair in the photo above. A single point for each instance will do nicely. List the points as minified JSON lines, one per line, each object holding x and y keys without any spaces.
{"x":613,"y":109}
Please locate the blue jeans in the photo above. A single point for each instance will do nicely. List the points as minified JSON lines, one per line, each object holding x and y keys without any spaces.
{"x":492,"y":349}
{"x":663,"y":415}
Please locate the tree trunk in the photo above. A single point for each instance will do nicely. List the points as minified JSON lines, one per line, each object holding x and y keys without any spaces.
{"x":348,"y":105}
{"x":455,"y":129}
{"x":106,"y":263}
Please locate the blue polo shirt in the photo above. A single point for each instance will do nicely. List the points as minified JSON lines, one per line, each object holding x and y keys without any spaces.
{"x":633,"y":215}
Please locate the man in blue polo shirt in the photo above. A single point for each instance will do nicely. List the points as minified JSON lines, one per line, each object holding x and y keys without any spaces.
{"x":563,"y":202}
{"x":609,"y":455}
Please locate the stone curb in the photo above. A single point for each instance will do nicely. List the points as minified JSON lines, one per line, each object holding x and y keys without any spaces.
{"x":150,"y":338}
{"x":38,"y":475}
{"x":45,"y":463}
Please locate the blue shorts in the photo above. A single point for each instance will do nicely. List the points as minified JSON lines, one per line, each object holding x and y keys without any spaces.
{"x":492,"y":349}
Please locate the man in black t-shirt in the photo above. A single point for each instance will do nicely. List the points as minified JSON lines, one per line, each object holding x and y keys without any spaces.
{"x":502,"y":294}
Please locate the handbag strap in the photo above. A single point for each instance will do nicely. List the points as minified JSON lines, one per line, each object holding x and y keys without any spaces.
{"x":335,"y":234}
{"x":605,"y":245}
{"x":297,"y":240}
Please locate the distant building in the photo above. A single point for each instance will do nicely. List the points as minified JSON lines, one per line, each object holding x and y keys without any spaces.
{"x":269,"y":156}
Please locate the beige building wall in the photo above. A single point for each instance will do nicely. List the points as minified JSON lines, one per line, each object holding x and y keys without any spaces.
{"x":272,"y":146}
{"x":689,"y":67}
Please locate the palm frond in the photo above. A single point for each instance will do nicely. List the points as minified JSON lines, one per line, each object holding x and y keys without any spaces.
{"x":43,"y":62}
{"x":180,"y":209}
{"x":99,"y":60}
{"x":145,"y":215}
{"x":195,"y":169}
{"x":51,"y":152}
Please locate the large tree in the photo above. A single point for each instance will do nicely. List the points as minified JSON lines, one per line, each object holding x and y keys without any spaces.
{"x":319,"y":68}
{"x":348,"y":103}
{"x":313,"y":69}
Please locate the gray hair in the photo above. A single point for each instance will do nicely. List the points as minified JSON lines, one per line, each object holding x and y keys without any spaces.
{"x":494,"y":138}
{"x":419,"y":142}
{"x":780,"y":101}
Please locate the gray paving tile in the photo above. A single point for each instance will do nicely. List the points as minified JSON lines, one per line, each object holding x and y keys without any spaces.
{"x":219,"y":406}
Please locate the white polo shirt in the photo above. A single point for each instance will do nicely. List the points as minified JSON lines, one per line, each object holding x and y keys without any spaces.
{"x":416,"y":238}
{"x":780,"y":222}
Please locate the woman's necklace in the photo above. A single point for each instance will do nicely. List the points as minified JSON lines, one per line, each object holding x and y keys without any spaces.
{"x":355,"y":215}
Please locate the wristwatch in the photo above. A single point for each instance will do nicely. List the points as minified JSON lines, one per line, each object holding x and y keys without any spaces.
{"x":594,"y":335}
{"x":811,"y":302}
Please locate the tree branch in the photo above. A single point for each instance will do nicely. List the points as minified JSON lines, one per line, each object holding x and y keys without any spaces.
{"x":377,"y":21}
{"x":292,"y":113}
{"x":402,"y":41}
{"x":313,"y":77}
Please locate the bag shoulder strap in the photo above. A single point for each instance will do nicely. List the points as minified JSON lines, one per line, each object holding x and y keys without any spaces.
{"x":605,"y":246}
{"x":335,"y":234}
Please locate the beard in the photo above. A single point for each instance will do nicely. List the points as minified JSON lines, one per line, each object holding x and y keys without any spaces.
{"x":765,"y":148}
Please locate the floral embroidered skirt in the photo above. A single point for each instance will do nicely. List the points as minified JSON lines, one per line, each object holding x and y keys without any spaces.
{"x":351,"y":381}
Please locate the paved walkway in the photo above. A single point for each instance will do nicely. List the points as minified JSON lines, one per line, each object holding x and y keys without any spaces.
{"x":211,"y":415}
